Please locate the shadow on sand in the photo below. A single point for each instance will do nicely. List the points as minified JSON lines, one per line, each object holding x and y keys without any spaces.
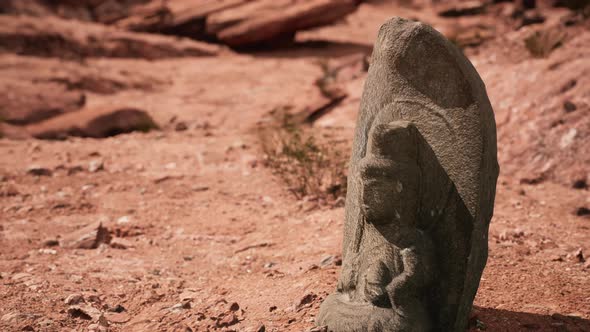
{"x":498,"y":320}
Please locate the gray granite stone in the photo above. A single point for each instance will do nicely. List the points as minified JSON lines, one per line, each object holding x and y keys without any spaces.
{"x":421,"y":189}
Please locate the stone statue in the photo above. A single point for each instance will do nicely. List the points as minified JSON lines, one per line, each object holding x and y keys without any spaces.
{"x":421,"y":189}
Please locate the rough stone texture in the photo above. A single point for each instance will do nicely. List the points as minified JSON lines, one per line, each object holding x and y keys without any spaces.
{"x":421,"y":189}
{"x":55,"y":37}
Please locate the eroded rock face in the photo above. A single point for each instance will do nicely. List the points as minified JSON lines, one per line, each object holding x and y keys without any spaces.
{"x":421,"y":189}
{"x":237,"y":23}
{"x":55,"y":37}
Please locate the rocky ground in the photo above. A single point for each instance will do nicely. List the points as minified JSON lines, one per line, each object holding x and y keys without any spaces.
{"x":135,"y":193}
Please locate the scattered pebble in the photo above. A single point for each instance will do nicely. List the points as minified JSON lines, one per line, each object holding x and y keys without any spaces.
{"x":95,"y":166}
{"x":200,"y":188}
{"x":181,"y":126}
{"x":234,"y":307}
{"x":87,"y":312}
{"x":123,"y":220}
{"x":306,"y":301}
{"x":87,"y":187}
{"x":46,"y":251}
{"x":583,"y":211}
{"x":39,"y":171}
{"x":120,"y":243}
{"x":74,"y":299}
{"x":89,"y":237}
{"x":117,"y":317}
{"x":568,"y":106}
{"x":227,"y":320}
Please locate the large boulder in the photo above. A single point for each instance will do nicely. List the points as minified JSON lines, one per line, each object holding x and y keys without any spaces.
{"x":55,"y":37}
{"x":237,"y":23}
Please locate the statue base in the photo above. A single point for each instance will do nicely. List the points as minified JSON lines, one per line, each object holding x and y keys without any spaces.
{"x":341,"y":315}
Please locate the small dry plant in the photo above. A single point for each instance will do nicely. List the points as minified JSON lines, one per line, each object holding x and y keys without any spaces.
{"x":306,"y":166}
{"x":541,"y":43}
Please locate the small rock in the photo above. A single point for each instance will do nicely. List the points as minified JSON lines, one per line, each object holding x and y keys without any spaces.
{"x":462,"y":8}
{"x":97,"y":328}
{"x":577,"y":256}
{"x":187,"y":295}
{"x":568,"y":138}
{"x":306,"y":300}
{"x":580,"y":184}
{"x":531,"y":17}
{"x":181,"y":126}
{"x":74,"y":299}
{"x":234,"y":307}
{"x":178,"y":307}
{"x":227,"y":320}
{"x":75,"y":169}
{"x":117,"y":317}
{"x":87,"y":187}
{"x":568,"y":106}
{"x":11,"y":317}
{"x":556,"y":258}
{"x":45,"y":323}
{"x":318,"y":329}
{"x":123,"y":220}
{"x":200,"y":188}
{"x":89,"y":237}
{"x":51,"y":242}
{"x":46,"y":251}
{"x":8,"y":190}
{"x":39,"y":171}
{"x":87,"y":312}
{"x":120,"y":243}
{"x":118,"y":308}
{"x":95,"y":166}
{"x":583,"y":211}
{"x":327,"y":261}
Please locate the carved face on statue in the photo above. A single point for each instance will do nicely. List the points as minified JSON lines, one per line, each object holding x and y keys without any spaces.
{"x":389,"y":177}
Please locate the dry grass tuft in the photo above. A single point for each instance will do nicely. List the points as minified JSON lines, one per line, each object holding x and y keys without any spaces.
{"x":306,"y":166}
{"x":542,"y":42}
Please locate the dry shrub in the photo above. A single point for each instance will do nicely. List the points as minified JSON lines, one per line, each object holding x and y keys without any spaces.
{"x":308,"y":167}
{"x":542,"y":42}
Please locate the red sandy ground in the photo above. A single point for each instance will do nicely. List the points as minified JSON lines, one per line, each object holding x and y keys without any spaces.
{"x":209,"y":226}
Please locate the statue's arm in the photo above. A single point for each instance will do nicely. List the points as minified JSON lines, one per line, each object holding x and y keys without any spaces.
{"x":405,"y":285}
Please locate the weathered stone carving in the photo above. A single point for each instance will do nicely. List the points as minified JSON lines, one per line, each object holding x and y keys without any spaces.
{"x":420,"y":192}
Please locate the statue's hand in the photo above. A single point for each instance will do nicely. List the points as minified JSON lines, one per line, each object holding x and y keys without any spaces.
{"x":375,"y":292}
{"x":402,"y":287}
{"x":375,"y":282}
